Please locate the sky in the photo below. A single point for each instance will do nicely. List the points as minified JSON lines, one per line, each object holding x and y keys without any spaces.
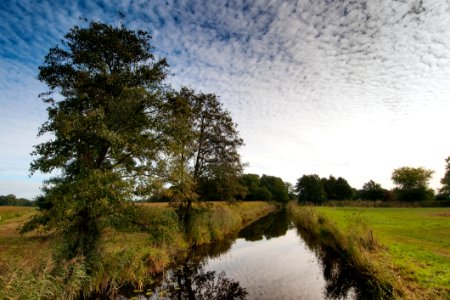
{"x":344,"y":88}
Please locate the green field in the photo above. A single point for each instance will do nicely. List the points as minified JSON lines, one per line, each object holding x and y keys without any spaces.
{"x":417,"y":241}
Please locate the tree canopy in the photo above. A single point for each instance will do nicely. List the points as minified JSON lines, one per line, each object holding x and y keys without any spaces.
{"x":203,"y":143}
{"x":412,"y":183}
{"x":337,"y":189}
{"x":372,"y":191}
{"x":310,"y":189}
{"x":266,"y":188}
{"x":118,"y":133}
{"x":104,"y":128}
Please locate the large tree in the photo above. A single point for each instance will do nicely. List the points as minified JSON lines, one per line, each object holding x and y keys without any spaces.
{"x":310,"y":188}
{"x":104,"y":131}
{"x":412,"y":183}
{"x":204,"y":144}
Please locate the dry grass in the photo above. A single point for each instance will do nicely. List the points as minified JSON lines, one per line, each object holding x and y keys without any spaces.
{"x":27,"y":270}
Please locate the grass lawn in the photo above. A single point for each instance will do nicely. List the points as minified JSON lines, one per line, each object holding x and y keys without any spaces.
{"x":417,"y":240}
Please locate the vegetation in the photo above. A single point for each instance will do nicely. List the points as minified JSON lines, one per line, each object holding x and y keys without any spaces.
{"x":414,"y":245}
{"x":28,"y":270}
{"x":337,"y":189}
{"x":372,"y":191}
{"x":12,"y":200}
{"x":354,"y":247}
{"x":265,"y":187}
{"x":412,"y":184}
{"x":444,"y":191}
{"x":202,"y":144}
{"x":310,"y":189}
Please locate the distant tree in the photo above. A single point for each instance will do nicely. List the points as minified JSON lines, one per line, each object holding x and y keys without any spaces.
{"x":290,"y":190}
{"x":343,"y":189}
{"x":276,"y":187}
{"x":372,"y":191}
{"x":444,"y":191}
{"x":412,"y":184}
{"x":329,"y":185}
{"x":251,"y":182}
{"x":263,"y":194}
{"x":105,"y":133}
{"x":337,"y":189}
{"x":310,"y":189}
{"x":12,"y":200}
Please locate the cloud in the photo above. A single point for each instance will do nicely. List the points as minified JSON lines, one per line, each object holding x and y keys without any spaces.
{"x":349,"y":88}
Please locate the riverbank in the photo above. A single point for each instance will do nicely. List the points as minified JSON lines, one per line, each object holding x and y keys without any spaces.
{"x":404,"y":250}
{"x":416,"y":243}
{"x":27,"y":270}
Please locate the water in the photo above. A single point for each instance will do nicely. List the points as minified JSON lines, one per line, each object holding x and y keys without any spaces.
{"x":270,"y":259}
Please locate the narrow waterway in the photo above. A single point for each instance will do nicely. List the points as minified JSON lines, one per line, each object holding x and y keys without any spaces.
{"x":270,"y":259}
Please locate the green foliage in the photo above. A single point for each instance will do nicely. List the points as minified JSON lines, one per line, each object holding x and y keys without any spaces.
{"x":105,"y":131}
{"x":12,"y":200}
{"x":412,"y":184}
{"x":264,"y":188}
{"x":444,"y":191}
{"x":337,"y":189}
{"x":202,"y":144}
{"x":372,"y":191}
{"x":276,"y":187}
{"x":252,"y":183}
{"x":310,"y":189}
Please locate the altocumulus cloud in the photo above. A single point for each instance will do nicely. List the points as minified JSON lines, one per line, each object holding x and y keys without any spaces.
{"x":349,"y":88}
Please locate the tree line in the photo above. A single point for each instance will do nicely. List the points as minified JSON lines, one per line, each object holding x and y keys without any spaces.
{"x":12,"y":200}
{"x":411,"y":185}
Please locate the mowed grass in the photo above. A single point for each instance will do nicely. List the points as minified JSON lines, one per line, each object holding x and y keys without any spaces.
{"x":417,"y":241}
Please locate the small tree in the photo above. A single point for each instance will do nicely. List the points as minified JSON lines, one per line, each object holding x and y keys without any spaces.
{"x":310,"y":189}
{"x":412,"y":184}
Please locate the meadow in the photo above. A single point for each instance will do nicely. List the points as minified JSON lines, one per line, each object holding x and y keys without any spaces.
{"x":415,"y":243}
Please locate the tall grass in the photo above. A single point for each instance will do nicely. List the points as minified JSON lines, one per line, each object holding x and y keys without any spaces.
{"x":353,"y":247}
{"x":130,"y":256}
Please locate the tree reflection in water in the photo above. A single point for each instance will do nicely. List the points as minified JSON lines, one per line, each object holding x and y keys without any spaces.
{"x":188,"y":278}
{"x":271,"y":226}
{"x":193,"y":282}
{"x":343,"y":281}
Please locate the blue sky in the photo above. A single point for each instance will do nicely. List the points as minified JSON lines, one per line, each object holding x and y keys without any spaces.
{"x":348,"y":88}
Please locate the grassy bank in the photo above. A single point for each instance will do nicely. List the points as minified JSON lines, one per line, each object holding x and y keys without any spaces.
{"x":353,"y":248}
{"x":416,"y":243}
{"x":27,"y":269}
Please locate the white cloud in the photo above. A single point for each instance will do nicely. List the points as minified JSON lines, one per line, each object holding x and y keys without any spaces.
{"x":349,"y":88}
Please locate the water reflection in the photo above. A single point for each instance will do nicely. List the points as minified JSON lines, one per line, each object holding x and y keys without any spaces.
{"x":269,"y":259}
{"x":270,"y":226}
{"x":193,"y":282}
{"x":342,"y":281}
